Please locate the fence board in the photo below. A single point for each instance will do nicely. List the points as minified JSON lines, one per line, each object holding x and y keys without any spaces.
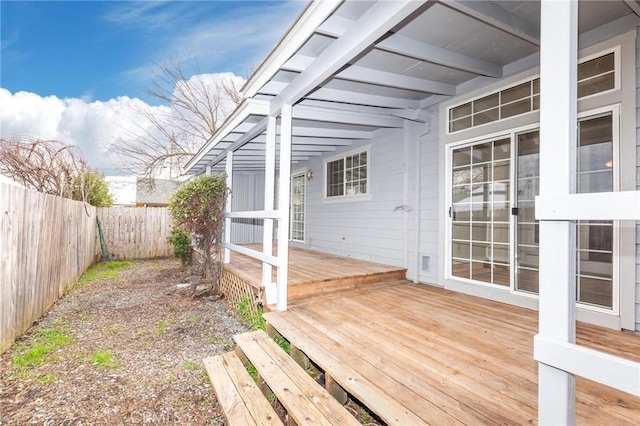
{"x":47,"y":242}
{"x":136,"y":233}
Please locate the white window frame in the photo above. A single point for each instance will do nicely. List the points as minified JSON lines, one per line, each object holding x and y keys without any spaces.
{"x":617,"y":78}
{"x":614,"y":110}
{"x":342,"y":156}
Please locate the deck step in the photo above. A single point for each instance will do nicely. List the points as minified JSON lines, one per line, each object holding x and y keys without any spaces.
{"x":338,"y":285}
{"x":240,"y":399}
{"x":332,"y":359}
{"x":305,"y":400}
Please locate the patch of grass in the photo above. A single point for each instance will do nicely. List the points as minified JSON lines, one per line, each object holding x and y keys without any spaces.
{"x":252,"y":370}
{"x":190,"y":365}
{"x":114,"y":329}
{"x":84,"y":316}
{"x":47,"y":378}
{"x":161,"y":327}
{"x":101,"y":271}
{"x":257,"y":321}
{"x":254,"y":319}
{"x":221,"y":341}
{"x":46,"y":341}
{"x":193,"y":318}
{"x":172,"y":378}
{"x":104,"y":358}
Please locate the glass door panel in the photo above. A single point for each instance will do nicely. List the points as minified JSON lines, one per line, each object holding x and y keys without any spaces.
{"x":298,"y":195}
{"x":480,"y":227}
{"x":528,"y":181}
{"x":594,"y":267}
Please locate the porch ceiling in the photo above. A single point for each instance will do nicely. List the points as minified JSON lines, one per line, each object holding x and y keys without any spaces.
{"x":371,"y":65}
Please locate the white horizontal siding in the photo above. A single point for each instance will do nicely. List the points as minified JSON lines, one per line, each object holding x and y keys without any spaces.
{"x":247,"y":194}
{"x":637,"y":182}
{"x":366,"y":229}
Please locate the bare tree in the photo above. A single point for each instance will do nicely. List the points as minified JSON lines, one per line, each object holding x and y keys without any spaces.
{"x":52,"y":167}
{"x":166,"y":141}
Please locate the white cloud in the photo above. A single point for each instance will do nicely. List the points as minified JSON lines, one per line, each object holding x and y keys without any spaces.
{"x":94,"y":126}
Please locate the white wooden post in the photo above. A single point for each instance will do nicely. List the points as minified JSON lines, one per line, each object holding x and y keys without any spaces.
{"x":558,"y":129}
{"x":283,"y":206}
{"x":227,"y":221}
{"x":269,"y":190}
{"x":208,"y":170}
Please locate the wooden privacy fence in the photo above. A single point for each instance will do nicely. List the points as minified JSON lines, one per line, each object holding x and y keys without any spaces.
{"x":46,"y":243}
{"x":136,"y":233}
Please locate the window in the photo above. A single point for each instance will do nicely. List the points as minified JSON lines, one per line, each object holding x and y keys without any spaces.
{"x":348,"y":175}
{"x":298,"y":195}
{"x":483,"y":212}
{"x":594,"y":76}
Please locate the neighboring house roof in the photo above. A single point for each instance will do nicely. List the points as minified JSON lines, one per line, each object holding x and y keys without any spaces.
{"x":133,"y":190}
{"x":159,"y":194}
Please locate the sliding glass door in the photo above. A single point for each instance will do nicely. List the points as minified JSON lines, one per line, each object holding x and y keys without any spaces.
{"x":487,"y":203}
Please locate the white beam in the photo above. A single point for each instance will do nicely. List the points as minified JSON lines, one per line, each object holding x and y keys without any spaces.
{"x":594,"y":206}
{"x":381,"y":18}
{"x":558,"y":139}
{"x":335,"y":26}
{"x":313,"y":15}
{"x":269,"y":191}
{"x":491,"y":13}
{"x":227,"y":209}
{"x":271,"y":260}
{"x":609,"y":370}
{"x":246,"y":108}
{"x":254,"y":214}
{"x":344,"y":96}
{"x":284,"y":189}
{"x":304,"y":140}
{"x":325,"y":132}
{"x":301,"y":112}
{"x":376,"y":77}
{"x":634,"y":6}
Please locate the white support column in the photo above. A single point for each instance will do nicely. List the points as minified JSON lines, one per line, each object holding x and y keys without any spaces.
{"x":227,"y":221}
{"x":269,"y":191}
{"x":208,"y":170}
{"x":558,"y":129}
{"x":283,"y":206}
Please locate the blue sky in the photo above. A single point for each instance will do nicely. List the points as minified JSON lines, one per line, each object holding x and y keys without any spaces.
{"x":98,"y":50}
{"x":75,"y":71}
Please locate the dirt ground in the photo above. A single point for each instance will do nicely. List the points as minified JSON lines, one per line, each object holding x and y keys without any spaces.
{"x":155,"y":337}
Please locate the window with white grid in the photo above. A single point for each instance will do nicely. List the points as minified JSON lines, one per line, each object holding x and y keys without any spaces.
{"x":347,"y":176}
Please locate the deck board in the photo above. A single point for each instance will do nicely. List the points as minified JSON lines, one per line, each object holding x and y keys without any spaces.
{"x":312,"y":273}
{"x":459,"y":359}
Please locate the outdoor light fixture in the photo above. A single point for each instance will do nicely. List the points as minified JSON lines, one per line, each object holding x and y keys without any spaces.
{"x":309,"y":174}
{"x":609,"y":164}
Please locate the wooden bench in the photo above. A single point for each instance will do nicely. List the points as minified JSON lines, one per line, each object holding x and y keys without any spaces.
{"x":240,"y":399}
{"x":306,"y":402}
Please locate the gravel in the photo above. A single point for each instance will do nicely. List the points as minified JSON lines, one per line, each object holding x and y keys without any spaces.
{"x":158,"y":335}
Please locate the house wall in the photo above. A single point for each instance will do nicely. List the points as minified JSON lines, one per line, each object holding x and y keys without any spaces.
{"x":628,"y":257}
{"x":371,"y":230}
{"x":637,"y":226}
{"x":366,"y":229}
{"x":247,"y":194}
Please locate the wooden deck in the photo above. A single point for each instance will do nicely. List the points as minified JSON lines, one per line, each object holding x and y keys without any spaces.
{"x":415,"y":354}
{"x":313,"y":273}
